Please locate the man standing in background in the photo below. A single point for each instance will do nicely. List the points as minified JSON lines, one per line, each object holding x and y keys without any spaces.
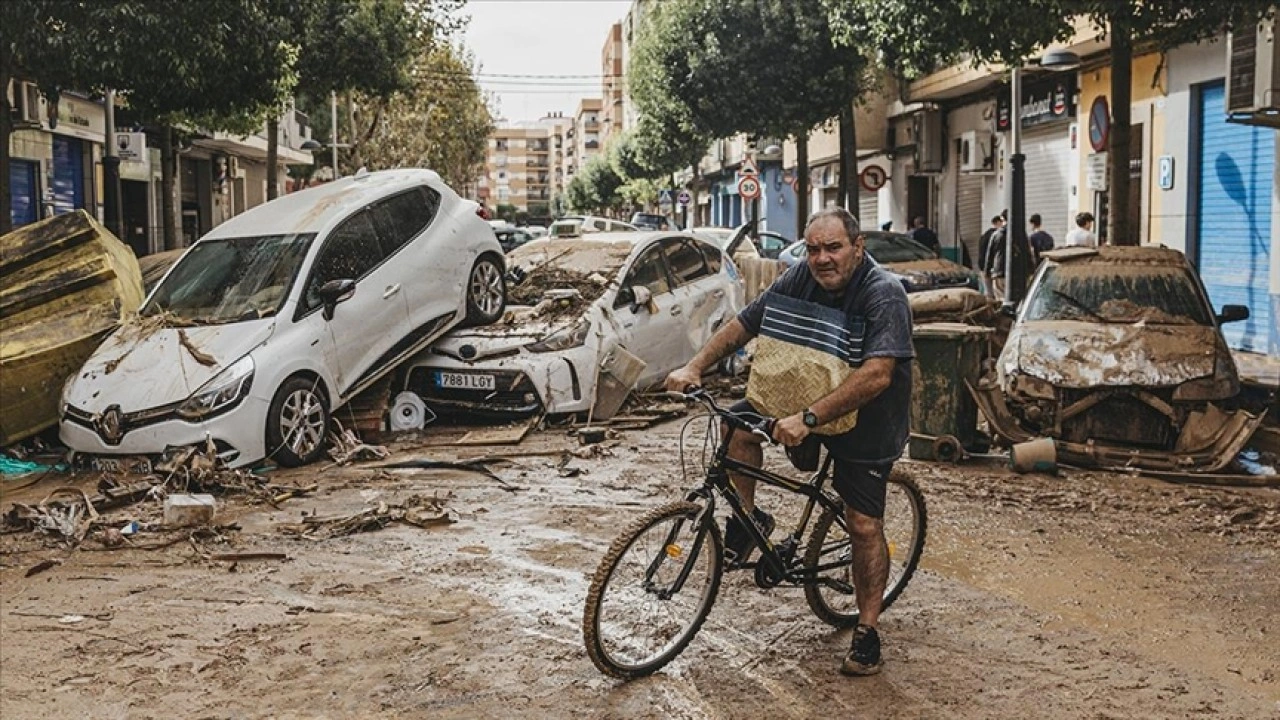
{"x":1041,"y":241}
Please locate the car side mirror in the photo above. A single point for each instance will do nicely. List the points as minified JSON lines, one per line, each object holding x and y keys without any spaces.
{"x":1233,"y":313}
{"x":640,"y":297}
{"x":333,"y":292}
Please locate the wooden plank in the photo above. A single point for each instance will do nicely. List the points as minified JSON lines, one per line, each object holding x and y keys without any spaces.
{"x":504,"y":435}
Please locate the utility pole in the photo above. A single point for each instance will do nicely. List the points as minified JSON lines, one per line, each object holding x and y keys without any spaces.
{"x":111,"y":172}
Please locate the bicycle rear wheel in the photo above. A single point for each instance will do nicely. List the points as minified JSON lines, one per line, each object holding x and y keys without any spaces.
{"x":905,"y":522}
{"x":636,"y":619}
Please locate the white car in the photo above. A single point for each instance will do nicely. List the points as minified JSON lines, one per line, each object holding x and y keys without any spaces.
{"x":575,"y":225}
{"x":284,"y":313}
{"x":659,"y":295}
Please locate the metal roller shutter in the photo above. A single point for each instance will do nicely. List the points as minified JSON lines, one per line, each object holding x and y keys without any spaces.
{"x":868,"y":209}
{"x":1048,"y":171}
{"x":68,"y":175}
{"x":969,"y":222}
{"x":1234,"y":222}
{"x":23,"y":191}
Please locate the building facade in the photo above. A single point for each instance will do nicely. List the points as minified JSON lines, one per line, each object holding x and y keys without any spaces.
{"x":612,"y":86}
{"x":56,"y":166}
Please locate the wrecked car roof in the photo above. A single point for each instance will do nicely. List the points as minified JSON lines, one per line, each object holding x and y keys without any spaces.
{"x":313,"y":209}
{"x":1110,"y":254}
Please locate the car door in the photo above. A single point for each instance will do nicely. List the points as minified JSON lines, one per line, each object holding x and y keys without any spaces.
{"x":414,"y":238}
{"x":365,"y":326}
{"x":654,"y":333}
{"x":696,"y":290}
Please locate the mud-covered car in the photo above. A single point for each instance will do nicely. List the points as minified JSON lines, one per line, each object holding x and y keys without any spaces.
{"x":915,"y":265}
{"x":283,"y":313}
{"x":1117,"y":354}
{"x":574,"y":303}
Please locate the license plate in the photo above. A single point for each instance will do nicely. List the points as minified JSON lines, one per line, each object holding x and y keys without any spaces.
{"x":465,"y":381}
{"x":125,"y":464}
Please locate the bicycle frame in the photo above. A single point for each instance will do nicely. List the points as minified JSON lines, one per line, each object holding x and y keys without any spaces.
{"x":717,"y":481}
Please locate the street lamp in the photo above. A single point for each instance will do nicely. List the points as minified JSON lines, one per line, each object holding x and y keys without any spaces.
{"x":1016,"y":237}
{"x":333,"y":134}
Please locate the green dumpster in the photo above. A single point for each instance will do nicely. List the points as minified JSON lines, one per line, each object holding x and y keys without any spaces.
{"x":942,"y":410}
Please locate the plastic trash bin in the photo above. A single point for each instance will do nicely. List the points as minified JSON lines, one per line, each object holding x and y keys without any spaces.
{"x":947,"y":354}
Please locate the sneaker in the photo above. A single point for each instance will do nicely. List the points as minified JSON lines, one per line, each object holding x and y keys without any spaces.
{"x":864,"y":655}
{"x":737,"y":541}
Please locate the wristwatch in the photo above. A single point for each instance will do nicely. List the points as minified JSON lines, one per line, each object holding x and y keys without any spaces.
{"x":810,"y":419}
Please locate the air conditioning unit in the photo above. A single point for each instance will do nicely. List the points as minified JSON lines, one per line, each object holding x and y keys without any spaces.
{"x":927,"y":129}
{"x":28,"y":108}
{"x":975,"y":153}
{"x":233,"y":168}
{"x":1253,"y":70}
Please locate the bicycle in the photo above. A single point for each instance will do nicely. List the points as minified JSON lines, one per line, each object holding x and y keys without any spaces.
{"x":650,"y":588}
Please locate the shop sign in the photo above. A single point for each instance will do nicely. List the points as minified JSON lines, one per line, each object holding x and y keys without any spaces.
{"x":1042,"y":102}
{"x":1096,"y":172}
{"x":81,"y":119}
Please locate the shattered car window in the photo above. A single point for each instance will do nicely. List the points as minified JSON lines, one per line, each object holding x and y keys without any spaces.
{"x":231,"y":279}
{"x":648,"y":271}
{"x":895,"y":248}
{"x":1119,"y":294}
{"x":686,"y":262}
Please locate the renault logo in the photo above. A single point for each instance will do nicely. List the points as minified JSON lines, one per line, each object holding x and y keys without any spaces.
{"x":111,"y":425}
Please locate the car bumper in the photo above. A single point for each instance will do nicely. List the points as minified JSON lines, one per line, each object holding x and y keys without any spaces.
{"x":1208,"y":442}
{"x":238,"y":435}
{"x":525,"y":384}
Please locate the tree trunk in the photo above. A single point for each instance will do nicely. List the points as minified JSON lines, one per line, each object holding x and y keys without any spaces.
{"x":273,"y":157}
{"x":849,"y":155}
{"x":849,"y":162}
{"x":1118,"y":231}
{"x":802,"y":182}
{"x":168,"y":190}
{"x":6,"y":130}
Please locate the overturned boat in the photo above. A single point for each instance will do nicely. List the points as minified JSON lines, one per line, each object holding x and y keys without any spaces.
{"x":65,"y":282}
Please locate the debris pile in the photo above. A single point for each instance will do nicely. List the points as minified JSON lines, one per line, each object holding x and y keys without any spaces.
{"x":418,"y":510}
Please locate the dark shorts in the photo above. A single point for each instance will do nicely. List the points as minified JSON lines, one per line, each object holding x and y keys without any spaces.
{"x":860,"y":485}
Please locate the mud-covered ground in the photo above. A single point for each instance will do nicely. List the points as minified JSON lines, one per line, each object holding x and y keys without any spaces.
{"x":1084,"y":596}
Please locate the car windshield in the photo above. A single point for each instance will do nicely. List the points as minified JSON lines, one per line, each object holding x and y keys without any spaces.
{"x":231,"y":279}
{"x":588,"y":266}
{"x":1118,"y":294}
{"x":566,"y":228}
{"x":895,"y":248}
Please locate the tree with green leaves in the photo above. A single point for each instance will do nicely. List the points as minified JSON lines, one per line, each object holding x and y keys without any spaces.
{"x":215,"y":64}
{"x":919,"y":36}
{"x":595,"y":187}
{"x":350,"y":46}
{"x":441,"y":122}
{"x":762,"y":67}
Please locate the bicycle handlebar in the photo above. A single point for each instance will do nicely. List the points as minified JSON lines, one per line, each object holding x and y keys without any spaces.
{"x":695,"y":393}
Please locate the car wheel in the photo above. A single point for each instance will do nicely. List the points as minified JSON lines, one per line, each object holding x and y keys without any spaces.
{"x":486,"y":292}
{"x":298,"y":422}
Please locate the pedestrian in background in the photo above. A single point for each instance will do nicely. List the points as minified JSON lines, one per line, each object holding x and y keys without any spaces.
{"x":1041,"y":241}
{"x":1082,"y":234}
{"x":925,"y":236}
{"x":985,"y":247}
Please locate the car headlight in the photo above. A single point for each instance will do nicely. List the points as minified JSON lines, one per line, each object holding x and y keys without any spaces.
{"x":223,"y":392}
{"x":1222,"y":384}
{"x":912,"y":282}
{"x":571,"y":337}
{"x":63,"y":402}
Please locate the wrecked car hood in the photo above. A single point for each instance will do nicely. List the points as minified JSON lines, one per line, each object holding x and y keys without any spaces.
{"x":521,"y":326}
{"x":143,"y":365}
{"x":1074,"y":354}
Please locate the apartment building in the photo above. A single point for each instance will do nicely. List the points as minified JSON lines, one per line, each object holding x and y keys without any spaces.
{"x":612,"y":85}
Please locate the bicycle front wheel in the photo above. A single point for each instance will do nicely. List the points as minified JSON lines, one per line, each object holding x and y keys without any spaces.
{"x":652,"y":591}
{"x":830,"y":552}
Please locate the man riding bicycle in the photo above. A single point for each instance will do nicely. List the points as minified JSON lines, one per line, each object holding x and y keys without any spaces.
{"x":872,"y":331}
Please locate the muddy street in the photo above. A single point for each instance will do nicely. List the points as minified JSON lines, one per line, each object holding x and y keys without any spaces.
{"x":1083,"y":595}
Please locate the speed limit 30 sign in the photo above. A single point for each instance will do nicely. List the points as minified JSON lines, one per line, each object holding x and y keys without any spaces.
{"x":749,"y":187}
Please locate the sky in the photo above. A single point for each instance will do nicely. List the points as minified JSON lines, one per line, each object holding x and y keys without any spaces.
{"x":515,"y":39}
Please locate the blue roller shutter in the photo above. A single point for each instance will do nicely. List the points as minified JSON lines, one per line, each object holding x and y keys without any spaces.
{"x":23,"y":192}
{"x":1234,"y":219}
{"x":68,"y":174}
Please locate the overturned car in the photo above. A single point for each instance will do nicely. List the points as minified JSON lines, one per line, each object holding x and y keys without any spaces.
{"x":1118,"y":356}
{"x":588,"y":319}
